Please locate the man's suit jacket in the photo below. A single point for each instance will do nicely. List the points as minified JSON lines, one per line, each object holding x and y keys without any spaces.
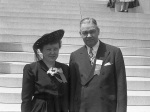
{"x":106,"y":92}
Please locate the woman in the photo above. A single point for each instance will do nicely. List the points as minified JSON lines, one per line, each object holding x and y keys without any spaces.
{"x":125,"y":4}
{"x":45,"y":87}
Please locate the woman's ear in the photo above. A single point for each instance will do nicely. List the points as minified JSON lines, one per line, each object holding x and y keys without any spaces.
{"x":60,"y":44}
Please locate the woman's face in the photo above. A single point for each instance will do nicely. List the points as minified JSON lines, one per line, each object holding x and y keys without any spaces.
{"x":50,"y":52}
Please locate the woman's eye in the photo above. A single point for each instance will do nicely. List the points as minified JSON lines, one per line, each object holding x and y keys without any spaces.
{"x":55,"y":49}
{"x":49,"y":49}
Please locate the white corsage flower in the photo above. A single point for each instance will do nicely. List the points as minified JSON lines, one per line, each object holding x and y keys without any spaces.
{"x":52,"y":71}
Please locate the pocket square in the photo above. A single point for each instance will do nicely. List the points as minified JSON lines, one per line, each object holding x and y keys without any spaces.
{"x":107,"y":64}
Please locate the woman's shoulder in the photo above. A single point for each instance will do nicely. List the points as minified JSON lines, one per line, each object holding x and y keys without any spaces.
{"x":30,"y":65}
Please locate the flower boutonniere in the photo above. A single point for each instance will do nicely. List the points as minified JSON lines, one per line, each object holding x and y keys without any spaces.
{"x":53,"y":70}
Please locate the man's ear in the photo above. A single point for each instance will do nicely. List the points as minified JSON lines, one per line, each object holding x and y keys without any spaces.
{"x":80,"y":32}
{"x":98,"y":30}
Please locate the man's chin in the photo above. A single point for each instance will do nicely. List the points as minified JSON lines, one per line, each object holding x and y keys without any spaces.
{"x":90,"y":44}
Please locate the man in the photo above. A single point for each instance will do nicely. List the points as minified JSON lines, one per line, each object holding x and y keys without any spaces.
{"x":97,"y":74}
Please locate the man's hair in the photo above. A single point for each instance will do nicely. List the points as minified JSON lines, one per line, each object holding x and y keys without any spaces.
{"x":88,"y":20}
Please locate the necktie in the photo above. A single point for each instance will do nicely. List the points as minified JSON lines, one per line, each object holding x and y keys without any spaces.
{"x":91,"y":55}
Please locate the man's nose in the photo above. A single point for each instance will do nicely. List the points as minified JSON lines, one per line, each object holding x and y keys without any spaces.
{"x":89,"y":35}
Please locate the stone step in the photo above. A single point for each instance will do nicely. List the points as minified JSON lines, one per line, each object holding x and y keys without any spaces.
{"x":17,"y":108}
{"x":26,"y":47}
{"x":37,"y":2}
{"x":133,"y":83}
{"x":57,"y":5}
{"x":112,"y":17}
{"x":73,"y":38}
{"x":13,"y":95}
{"x":14,"y":31}
{"x":138,"y":108}
{"x":33,"y":20}
{"x":10,"y":107}
{"x":116,"y":15}
{"x":40,"y":15}
{"x":100,"y":16}
{"x":37,"y":26}
{"x":11,"y":80}
{"x":48,"y":8}
{"x":62,"y":19}
{"x":73,"y":24}
{"x":138,"y":71}
{"x":138,"y":83}
{"x":64,"y":58}
{"x":42,"y":6}
{"x":17,"y":68}
{"x":69,"y":29}
{"x":87,"y":5}
{"x":54,"y":1}
{"x":63,"y":11}
{"x":14,"y":21}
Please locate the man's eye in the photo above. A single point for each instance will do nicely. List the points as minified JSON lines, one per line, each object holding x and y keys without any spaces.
{"x":84,"y":32}
{"x":92,"y":31}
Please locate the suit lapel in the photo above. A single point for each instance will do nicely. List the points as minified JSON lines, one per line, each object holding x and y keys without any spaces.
{"x":85,"y":65}
{"x":102,"y":54}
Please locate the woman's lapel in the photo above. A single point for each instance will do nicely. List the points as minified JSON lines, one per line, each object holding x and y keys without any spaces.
{"x":43,"y":65}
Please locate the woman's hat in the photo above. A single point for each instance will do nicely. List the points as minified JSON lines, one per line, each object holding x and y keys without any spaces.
{"x":48,"y":38}
{"x":52,"y":37}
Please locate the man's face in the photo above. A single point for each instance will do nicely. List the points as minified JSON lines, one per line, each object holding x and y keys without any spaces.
{"x":89,"y":32}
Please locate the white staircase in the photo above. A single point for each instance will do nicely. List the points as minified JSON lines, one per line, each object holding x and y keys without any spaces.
{"x":22,"y":22}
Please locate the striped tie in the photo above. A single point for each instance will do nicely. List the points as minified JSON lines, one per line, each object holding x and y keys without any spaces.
{"x":91,"y":55}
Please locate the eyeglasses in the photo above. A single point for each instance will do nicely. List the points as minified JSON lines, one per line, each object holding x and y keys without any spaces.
{"x":85,"y":33}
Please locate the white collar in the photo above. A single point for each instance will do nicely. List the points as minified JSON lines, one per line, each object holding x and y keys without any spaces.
{"x":95,"y":48}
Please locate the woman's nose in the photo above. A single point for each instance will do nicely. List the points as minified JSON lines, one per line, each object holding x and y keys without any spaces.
{"x":52,"y":51}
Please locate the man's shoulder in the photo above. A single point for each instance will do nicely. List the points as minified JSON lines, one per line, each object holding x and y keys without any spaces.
{"x":110,"y":47}
{"x":79,"y":50}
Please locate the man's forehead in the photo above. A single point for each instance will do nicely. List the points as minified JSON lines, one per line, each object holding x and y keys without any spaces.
{"x":88,"y":26}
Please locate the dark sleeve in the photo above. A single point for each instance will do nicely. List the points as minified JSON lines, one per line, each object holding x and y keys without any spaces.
{"x":121,"y":82}
{"x":72,"y":83}
{"x":27,"y":89}
{"x":65,"y":102}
